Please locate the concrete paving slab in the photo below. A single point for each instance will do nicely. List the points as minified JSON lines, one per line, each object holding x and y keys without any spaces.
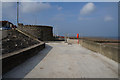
{"x":60,"y":60}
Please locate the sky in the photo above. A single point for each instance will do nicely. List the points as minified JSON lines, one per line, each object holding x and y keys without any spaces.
{"x":94,"y":19}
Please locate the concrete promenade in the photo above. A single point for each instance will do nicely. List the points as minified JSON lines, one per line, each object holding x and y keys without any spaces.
{"x":60,"y":60}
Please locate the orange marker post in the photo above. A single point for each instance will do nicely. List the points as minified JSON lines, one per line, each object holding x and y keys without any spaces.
{"x":78,"y":37}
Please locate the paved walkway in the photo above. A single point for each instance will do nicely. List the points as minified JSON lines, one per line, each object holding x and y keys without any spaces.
{"x":60,"y":60}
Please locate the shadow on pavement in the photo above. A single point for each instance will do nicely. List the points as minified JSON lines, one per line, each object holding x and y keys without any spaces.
{"x":23,"y":69}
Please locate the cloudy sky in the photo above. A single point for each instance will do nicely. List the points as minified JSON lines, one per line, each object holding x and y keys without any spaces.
{"x":89,"y":19}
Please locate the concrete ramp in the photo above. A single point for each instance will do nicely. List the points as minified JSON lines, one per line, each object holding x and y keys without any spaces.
{"x":67,"y":61}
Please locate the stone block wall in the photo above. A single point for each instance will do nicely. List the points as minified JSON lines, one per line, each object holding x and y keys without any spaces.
{"x":3,"y":34}
{"x":44,"y":33}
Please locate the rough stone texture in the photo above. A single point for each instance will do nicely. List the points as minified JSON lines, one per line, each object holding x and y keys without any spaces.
{"x":16,"y":41}
{"x":16,"y":48}
{"x":44,"y":33}
{"x":3,"y":34}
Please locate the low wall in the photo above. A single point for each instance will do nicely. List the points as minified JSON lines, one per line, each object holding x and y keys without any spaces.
{"x":13,"y":59}
{"x":90,"y":45}
{"x":110,"y":52}
{"x":73,"y":41}
{"x":106,"y":50}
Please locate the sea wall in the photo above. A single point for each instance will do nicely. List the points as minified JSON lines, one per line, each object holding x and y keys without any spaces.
{"x":44,"y":33}
{"x":109,"y":51}
{"x":104,"y":49}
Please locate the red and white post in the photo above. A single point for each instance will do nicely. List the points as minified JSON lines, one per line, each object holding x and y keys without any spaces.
{"x":78,"y":37}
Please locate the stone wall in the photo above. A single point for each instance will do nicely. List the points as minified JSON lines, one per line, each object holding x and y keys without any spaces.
{"x":16,"y":48}
{"x":3,"y":34}
{"x":16,"y":41}
{"x":44,"y":33}
{"x":16,"y":58}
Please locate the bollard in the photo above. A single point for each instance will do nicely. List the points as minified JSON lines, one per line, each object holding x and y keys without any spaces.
{"x":78,"y":37}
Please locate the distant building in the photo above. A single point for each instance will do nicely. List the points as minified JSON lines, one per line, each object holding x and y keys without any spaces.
{"x":5,"y":25}
{"x":44,"y":33}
